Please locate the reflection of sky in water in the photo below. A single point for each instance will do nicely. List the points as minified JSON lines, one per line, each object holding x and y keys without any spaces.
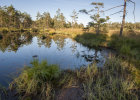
{"x":67,"y":53}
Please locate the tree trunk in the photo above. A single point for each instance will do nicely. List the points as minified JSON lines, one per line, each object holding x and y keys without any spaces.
{"x":98,"y":29}
{"x":123,"y":20}
{"x":98,"y":26}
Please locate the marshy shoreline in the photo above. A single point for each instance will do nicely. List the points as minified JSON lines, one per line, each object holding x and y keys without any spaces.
{"x":118,"y":78}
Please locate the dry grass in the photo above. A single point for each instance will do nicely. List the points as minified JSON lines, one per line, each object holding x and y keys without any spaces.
{"x":65,"y":31}
{"x":125,"y":33}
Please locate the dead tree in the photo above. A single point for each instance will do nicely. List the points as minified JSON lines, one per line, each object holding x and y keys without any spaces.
{"x":124,"y":13}
{"x":123,"y":20}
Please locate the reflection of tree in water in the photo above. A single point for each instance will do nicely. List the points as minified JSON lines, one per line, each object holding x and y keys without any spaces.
{"x":12,"y":41}
{"x":74,"y":47}
{"x":60,"y":41}
{"x":89,"y":57}
{"x":46,"y":41}
{"x":96,"y":60}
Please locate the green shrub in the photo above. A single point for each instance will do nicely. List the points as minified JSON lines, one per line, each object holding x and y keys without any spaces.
{"x":38,"y":78}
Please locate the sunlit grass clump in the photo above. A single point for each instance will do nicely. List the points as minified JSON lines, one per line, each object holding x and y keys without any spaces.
{"x":114,"y":82}
{"x":38,"y":78}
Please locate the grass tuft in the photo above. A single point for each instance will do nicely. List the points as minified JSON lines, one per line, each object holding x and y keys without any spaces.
{"x":38,"y":78}
{"x":113,"y":82}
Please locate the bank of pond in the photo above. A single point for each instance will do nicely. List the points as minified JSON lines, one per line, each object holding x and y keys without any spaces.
{"x":86,"y":66}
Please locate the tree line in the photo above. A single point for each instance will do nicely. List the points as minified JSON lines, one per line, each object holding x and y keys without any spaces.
{"x":58,"y":21}
{"x":128,"y":25}
{"x":97,"y":10}
{"x":12,"y":18}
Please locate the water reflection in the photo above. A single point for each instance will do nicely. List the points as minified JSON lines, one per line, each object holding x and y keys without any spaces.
{"x":12,"y":41}
{"x":19,"y":49}
{"x":59,"y":40}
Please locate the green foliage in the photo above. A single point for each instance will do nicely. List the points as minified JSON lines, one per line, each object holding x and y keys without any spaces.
{"x":114,"y":81}
{"x":128,"y":26}
{"x":12,"y":18}
{"x":128,"y":46}
{"x":13,"y":41}
{"x":45,"y":21}
{"x":97,"y":22}
{"x":91,"y":40}
{"x":105,"y":28}
{"x":137,"y":77}
{"x":39,"y":78}
{"x":59,"y":20}
{"x":74,"y":17}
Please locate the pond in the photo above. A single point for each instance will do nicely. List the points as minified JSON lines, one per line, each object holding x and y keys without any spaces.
{"x":18,"y":50}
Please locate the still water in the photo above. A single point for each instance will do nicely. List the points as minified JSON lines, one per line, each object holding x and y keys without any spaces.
{"x":18,"y":50}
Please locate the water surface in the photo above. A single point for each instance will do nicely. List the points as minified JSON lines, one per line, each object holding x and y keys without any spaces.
{"x":18,"y":50}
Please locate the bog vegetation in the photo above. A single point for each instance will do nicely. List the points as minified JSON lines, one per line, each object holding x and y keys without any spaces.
{"x":118,"y":79}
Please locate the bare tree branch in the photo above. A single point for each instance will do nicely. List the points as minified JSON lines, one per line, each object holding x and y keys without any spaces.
{"x":134,"y":8}
{"x":113,"y":8}
{"x":116,"y":13}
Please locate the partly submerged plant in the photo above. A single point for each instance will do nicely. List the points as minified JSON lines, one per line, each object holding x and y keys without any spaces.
{"x":37,"y":79}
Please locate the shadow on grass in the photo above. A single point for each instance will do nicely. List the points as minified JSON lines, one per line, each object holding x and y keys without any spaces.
{"x":127,"y":46}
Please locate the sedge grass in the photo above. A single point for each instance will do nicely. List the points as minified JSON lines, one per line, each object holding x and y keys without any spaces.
{"x":117,"y":80}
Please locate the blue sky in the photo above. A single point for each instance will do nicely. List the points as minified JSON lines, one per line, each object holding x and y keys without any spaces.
{"x":67,"y":6}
